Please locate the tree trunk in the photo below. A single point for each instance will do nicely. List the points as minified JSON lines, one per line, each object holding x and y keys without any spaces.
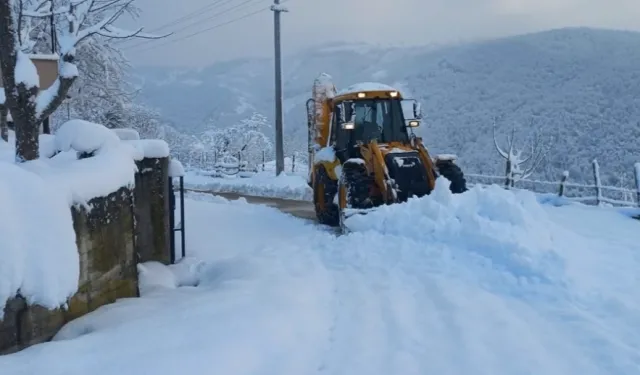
{"x":46,"y":126}
{"x":508,"y":175}
{"x":27,"y":131}
{"x":19,"y":98}
{"x":4,"y":128}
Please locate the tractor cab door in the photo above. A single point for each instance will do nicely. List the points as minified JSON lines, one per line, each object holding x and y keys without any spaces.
{"x":342,"y":132}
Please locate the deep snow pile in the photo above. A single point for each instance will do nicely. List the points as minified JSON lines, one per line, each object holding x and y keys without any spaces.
{"x":486,"y":282}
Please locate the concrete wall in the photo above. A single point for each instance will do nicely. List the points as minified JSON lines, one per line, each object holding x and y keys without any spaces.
{"x":120,"y":230}
{"x":152,"y":210}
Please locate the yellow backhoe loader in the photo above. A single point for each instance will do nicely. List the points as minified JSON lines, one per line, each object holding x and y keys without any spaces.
{"x":363,"y":152}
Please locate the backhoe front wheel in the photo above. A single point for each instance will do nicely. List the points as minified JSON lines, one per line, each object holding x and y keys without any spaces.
{"x":353,"y":190}
{"x":356,"y":183}
{"x":452,"y":172}
{"x":324,"y":191}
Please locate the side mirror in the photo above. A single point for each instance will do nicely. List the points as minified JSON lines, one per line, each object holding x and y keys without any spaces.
{"x":417,"y":110}
{"x":348,"y":125}
{"x":414,"y":123}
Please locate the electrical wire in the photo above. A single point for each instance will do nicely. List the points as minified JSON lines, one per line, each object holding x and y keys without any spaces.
{"x":212,"y":17}
{"x":208,"y":28}
{"x":186,"y":17}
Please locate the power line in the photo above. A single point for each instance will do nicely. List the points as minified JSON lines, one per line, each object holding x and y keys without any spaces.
{"x":212,"y":17}
{"x":207,"y":29}
{"x":186,"y":17}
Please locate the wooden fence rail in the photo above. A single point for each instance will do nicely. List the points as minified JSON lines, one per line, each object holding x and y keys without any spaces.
{"x":624,"y":196}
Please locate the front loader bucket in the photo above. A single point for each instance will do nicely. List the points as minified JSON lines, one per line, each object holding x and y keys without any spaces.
{"x":351,"y":212}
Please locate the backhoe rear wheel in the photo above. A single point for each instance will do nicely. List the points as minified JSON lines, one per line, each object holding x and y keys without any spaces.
{"x":452,"y":172}
{"x":324,"y":191}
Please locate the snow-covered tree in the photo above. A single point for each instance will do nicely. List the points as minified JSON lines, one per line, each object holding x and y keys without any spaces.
{"x":21,"y":25}
{"x":517,"y":165}
{"x":246,"y":139}
{"x":102,"y":90}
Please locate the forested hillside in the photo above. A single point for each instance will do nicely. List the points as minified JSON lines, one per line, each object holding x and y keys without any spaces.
{"x":577,"y":86}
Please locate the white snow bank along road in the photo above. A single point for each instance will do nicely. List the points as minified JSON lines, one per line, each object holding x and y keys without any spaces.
{"x":262,"y":184}
{"x":487,"y":282}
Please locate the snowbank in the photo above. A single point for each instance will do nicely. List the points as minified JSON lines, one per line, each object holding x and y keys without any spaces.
{"x":38,"y":253}
{"x":263,"y":184}
{"x":508,"y":227}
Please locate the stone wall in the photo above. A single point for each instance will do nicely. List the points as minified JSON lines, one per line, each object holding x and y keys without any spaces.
{"x":118,"y":231}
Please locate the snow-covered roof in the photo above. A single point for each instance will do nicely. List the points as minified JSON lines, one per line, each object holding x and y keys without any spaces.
{"x":366,"y":87}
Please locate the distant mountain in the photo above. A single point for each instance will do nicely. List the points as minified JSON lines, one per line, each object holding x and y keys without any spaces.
{"x":579,"y":85}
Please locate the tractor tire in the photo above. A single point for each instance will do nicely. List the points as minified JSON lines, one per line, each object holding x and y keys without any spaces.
{"x":357,"y":182}
{"x":324,"y":190}
{"x":452,"y":172}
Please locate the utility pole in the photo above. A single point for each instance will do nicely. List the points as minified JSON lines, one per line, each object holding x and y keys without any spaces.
{"x":277,"y":8}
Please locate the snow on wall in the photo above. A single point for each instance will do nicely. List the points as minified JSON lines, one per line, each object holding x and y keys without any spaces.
{"x":127,"y":134}
{"x":175,"y":168}
{"x":151,"y":148}
{"x":38,"y":253}
{"x":85,"y":136}
{"x":111,"y":168}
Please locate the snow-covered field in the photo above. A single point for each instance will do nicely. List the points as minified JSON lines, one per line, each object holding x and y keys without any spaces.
{"x":487,"y":282}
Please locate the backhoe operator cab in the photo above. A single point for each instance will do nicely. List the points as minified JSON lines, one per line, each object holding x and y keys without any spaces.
{"x":363,"y":151}
{"x":373,"y":116}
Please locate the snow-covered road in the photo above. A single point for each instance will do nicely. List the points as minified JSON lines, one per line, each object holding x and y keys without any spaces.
{"x":488,"y":282}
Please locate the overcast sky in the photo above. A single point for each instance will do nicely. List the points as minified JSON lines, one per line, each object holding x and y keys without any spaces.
{"x":401,"y":22}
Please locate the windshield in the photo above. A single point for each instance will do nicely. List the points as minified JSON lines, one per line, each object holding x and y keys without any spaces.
{"x":380,"y":119}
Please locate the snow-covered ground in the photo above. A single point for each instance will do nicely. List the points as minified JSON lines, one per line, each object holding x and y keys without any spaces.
{"x":292,"y":184}
{"x":487,"y":282}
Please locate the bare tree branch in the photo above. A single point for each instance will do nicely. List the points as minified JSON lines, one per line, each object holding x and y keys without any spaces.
{"x":516,"y":161}
{"x":495,"y":142}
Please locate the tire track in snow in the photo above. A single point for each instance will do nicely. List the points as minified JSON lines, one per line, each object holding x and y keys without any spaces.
{"x":358,"y":343}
